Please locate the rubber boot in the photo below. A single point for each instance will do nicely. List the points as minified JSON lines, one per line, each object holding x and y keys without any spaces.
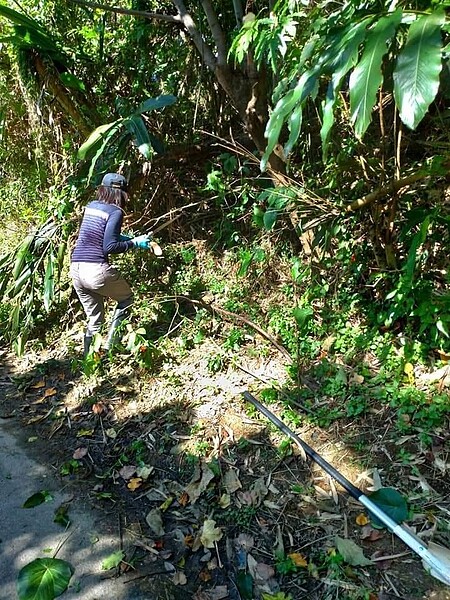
{"x":87,"y":344}
{"x":113,"y":334}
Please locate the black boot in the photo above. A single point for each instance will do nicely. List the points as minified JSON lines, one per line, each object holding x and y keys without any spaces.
{"x":87,"y":344}
{"x":114,"y":335}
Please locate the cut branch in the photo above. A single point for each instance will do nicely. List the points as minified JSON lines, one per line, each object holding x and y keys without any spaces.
{"x":235,"y":317}
{"x":391,"y":188}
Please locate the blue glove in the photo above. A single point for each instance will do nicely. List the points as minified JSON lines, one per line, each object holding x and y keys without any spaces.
{"x":124,"y":238}
{"x":141,"y":241}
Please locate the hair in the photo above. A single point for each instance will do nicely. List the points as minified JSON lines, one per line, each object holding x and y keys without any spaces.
{"x":110,"y":195}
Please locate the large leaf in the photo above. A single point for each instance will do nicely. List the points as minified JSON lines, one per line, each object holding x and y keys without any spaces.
{"x":346,"y":55}
{"x":43,"y":579}
{"x":138,"y":129}
{"x":367,"y":76}
{"x":351,"y":552}
{"x":155,"y":103}
{"x":416,"y":75}
{"x":392,"y":503}
{"x":95,"y":139}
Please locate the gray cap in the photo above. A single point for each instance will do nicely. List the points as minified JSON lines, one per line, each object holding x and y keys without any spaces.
{"x":114,"y":180}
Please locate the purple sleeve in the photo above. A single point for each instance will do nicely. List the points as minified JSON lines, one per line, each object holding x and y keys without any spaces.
{"x":111,"y":243}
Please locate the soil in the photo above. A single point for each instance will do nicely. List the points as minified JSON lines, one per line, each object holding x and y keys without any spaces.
{"x":162,"y":453}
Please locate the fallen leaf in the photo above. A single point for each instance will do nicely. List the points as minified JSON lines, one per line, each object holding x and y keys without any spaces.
{"x":351,"y":552}
{"x":113,"y":560}
{"x":370,"y":534}
{"x":38,"y":385}
{"x":50,"y":392}
{"x":79,"y":453}
{"x":231,"y":481}
{"x":183,"y":499}
{"x":225,"y":501}
{"x":85,"y":432}
{"x":127,"y":471}
{"x":98,"y":408}
{"x":179,"y":578}
{"x":196,"y":487}
{"x":298,"y":559}
{"x":362,"y":519}
{"x":205,"y":575}
{"x":219,"y":593}
{"x":245,"y":541}
{"x":260,"y":572}
{"x":134,"y":483}
{"x":155,"y":522}
{"x":210,"y":533}
{"x":111,"y":433}
{"x":144,"y":471}
{"x":37,"y":498}
{"x":166,"y":504}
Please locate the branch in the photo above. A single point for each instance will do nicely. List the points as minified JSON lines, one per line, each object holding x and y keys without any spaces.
{"x":238,"y":12}
{"x":124,"y":11}
{"x":391,"y":188}
{"x":235,"y":317}
{"x":216,"y":31}
{"x":195,"y":35}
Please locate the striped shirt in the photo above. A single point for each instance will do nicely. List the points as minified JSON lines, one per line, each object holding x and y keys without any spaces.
{"x":99,"y":234}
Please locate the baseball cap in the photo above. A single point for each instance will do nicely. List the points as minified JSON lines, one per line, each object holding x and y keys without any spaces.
{"x":114,"y":180}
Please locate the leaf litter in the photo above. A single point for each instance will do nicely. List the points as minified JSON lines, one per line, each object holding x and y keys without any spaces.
{"x":207,"y":499}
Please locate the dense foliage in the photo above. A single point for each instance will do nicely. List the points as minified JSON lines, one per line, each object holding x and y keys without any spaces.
{"x":344,"y":107}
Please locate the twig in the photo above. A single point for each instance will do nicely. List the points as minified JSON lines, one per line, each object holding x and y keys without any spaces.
{"x":218,"y":556}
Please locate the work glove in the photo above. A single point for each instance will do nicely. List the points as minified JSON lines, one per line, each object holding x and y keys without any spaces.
{"x":141,"y":241}
{"x":124,"y":238}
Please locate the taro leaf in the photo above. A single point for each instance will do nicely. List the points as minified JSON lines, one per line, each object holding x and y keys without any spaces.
{"x":244,"y":584}
{"x":113,"y":560}
{"x":37,"y":498}
{"x":392,"y":503}
{"x":43,"y":579}
{"x":419,"y":64}
{"x":367,"y":75}
{"x":351,"y":552}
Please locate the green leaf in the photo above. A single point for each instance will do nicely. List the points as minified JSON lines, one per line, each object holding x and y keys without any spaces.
{"x":270,"y":218}
{"x":113,"y":560}
{"x":392,"y":503}
{"x":346,"y":57}
{"x":49,"y":282}
{"x":351,"y":552}
{"x":302,"y":316}
{"x":137,"y":128}
{"x":43,"y":579}
{"x":94,"y":139}
{"x":155,"y":103}
{"x":416,"y":75}
{"x":71,"y":81}
{"x":244,"y":584}
{"x":37,"y":498}
{"x":61,"y":517}
{"x":367,"y":76}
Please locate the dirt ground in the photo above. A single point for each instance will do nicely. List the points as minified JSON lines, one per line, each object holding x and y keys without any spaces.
{"x":208,"y":498}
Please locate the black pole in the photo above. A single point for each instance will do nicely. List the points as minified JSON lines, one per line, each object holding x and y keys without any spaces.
{"x":344,"y":482}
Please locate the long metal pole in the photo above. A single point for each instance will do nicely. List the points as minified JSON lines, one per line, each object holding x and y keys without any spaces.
{"x":437,"y":566}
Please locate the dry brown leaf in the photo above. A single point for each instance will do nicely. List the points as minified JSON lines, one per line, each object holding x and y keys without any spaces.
{"x":205,"y":575}
{"x":134,"y":483}
{"x":219,"y":593}
{"x":231,"y":481}
{"x":370,"y":534}
{"x":210,"y":533}
{"x":260,"y":572}
{"x":50,"y":392}
{"x":196,"y":487}
{"x":98,"y":408}
{"x":79,"y":453}
{"x":245,"y":541}
{"x":38,"y":385}
{"x":362,"y":520}
{"x":179,"y":578}
{"x":183,"y":499}
{"x":298,"y":559}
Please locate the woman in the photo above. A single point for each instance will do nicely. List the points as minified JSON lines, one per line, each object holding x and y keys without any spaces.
{"x":94,"y":279}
